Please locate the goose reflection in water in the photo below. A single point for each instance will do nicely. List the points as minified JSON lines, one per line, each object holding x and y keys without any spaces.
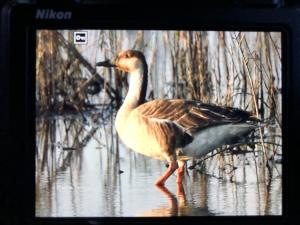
{"x":177,"y":205}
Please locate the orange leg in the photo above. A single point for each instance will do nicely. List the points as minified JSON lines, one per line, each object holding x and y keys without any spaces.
{"x":180,"y":171}
{"x":172,"y":167}
{"x":181,"y":194}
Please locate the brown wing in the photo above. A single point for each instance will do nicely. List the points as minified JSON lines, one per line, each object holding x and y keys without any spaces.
{"x":192,"y":115}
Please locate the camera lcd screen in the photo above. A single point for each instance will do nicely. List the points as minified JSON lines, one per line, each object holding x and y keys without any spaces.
{"x":83,"y":168}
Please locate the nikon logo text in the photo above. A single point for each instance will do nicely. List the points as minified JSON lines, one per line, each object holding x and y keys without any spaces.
{"x":50,"y":14}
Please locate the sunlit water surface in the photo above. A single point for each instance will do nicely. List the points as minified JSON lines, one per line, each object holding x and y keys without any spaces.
{"x":93,"y":183}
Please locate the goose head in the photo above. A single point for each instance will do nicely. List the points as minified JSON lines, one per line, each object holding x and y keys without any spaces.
{"x":128,"y":61}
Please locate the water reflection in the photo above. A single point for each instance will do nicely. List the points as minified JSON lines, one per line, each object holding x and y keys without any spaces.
{"x":177,"y":205}
{"x":83,"y":171}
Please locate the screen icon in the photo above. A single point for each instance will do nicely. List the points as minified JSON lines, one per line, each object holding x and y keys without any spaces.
{"x":80,"y":37}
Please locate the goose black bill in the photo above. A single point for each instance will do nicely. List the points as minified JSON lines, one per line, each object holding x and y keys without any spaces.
{"x":106,"y":63}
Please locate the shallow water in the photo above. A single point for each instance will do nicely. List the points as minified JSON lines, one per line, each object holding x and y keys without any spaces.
{"x":94,"y":182}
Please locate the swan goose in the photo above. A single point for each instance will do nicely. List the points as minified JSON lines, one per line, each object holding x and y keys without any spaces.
{"x":175,"y":130}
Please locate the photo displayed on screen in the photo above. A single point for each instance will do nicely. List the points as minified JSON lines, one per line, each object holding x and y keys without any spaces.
{"x":148,"y":123}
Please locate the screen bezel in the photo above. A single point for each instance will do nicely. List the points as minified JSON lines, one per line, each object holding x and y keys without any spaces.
{"x":260,"y":22}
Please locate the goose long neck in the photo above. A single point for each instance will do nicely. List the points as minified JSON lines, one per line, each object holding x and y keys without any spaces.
{"x":137,"y":88}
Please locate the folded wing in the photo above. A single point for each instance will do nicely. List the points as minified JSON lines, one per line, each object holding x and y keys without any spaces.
{"x":192,"y":115}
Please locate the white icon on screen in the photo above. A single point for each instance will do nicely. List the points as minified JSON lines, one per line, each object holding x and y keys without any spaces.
{"x":80,"y":37}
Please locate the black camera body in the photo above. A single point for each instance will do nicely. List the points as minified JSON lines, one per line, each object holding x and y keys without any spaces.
{"x":18,"y":90}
